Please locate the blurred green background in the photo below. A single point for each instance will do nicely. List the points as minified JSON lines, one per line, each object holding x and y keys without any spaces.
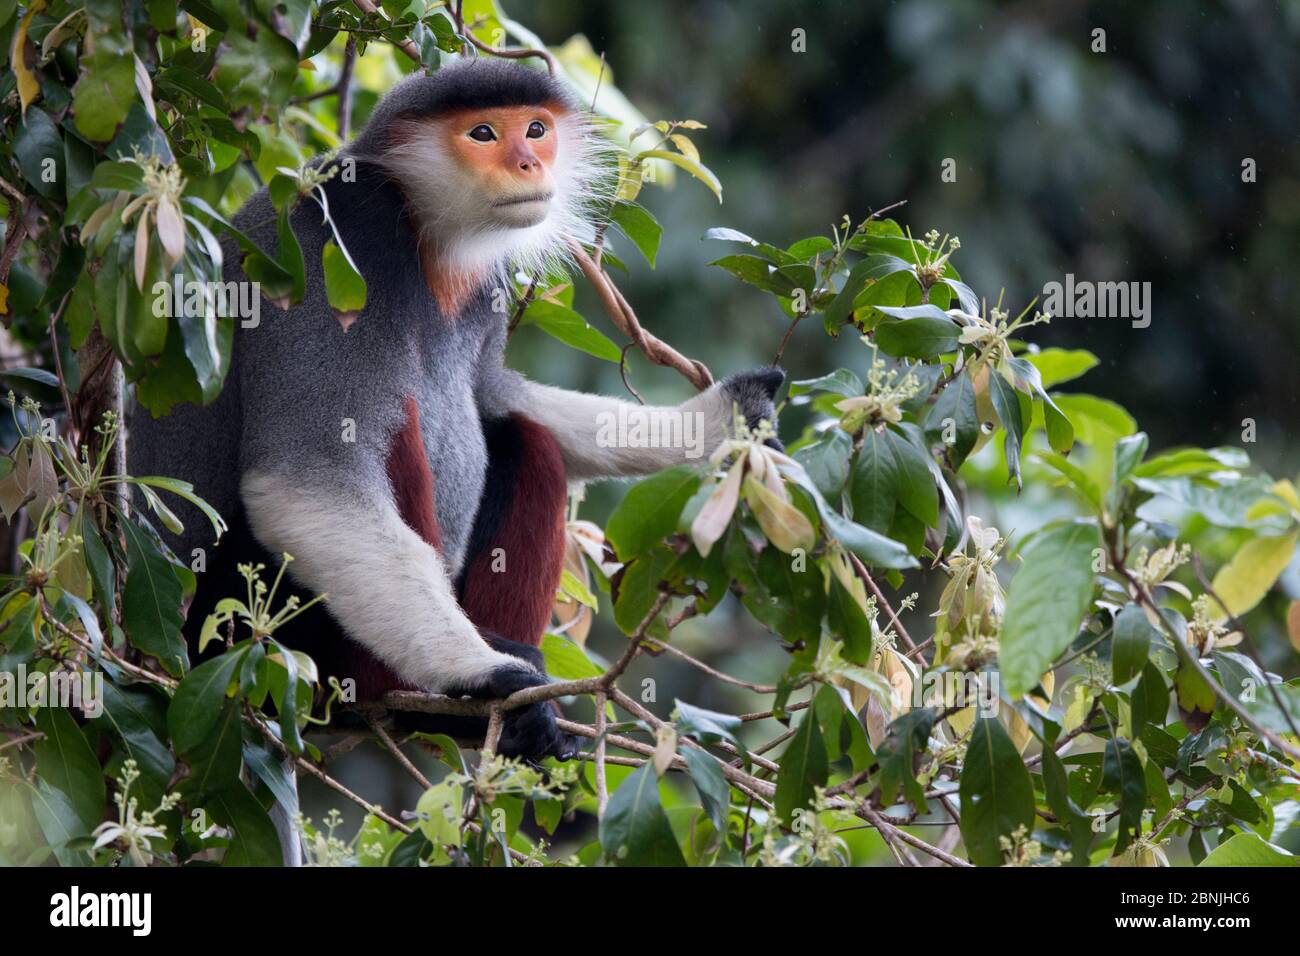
{"x":1117,"y":166}
{"x":1124,"y":165}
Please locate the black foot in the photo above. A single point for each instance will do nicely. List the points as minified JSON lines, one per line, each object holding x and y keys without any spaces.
{"x":528,"y":732}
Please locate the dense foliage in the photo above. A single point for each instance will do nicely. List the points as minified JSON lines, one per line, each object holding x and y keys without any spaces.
{"x":1084,"y":693}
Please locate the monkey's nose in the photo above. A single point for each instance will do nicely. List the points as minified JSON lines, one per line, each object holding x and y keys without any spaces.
{"x":527,"y":162}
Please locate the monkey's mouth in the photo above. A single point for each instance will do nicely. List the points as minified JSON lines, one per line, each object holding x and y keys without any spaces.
{"x":524,"y":200}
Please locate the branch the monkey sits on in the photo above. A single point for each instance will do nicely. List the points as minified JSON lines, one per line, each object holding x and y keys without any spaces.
{"x":412,"y":476}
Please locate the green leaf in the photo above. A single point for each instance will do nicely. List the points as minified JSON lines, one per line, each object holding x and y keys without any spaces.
{"x":36,"y":141}
{"x":271,"y":770}
{"x":1130,"y":643}
{"x":788,"y":601}
{"x":649,"y":511}
{"x":569,"y":327}
{"x":344,"y":286}
{"x":906,"y":737}
{"x":639,"y":589}
{"x":216,"y":759}
{"x":185,"y":490}
{"x":121,"y":177}
{"x":955,"y":405}
{"x":38,"y":375}
{"x":715,"y":794}
{"x":288,"y":702}
{"x":640,"y":227}
{"x":1192,"y":461}
{"x":1249,"y":849}
{"x":105,"y":89}
{"x":1275,"y":705}
{"x":1129,"y":452}
{"x":706,"y":726}
{"x":198,"y":700}
{"x":256,"y":72}
{"x":920,"y":331}
{"x":758,"y":272}
{"x":137,"y":716}
{"x":696,"y":169}
{"x":1121,"y":773}
{"x":875,"y":549}
{"x":827,"y":461}
{"x":1061,"y":365}
{"x":1095,"y":419}
{"x":1060,"y":430}
{"x":1046,"y":603}
{"x":997,"y":795}
{"x":634,"y":830}
{"x":1007,"y":405}
{"x":874,"y":482}
{"x":1243,"y":581}
{"x":66,"y":763}
{"x":565,"y":660}
{"x":840,"y":382}
{"x":1077,"y":478}
{"x":1150,"y":702}
{"x":192,"y":84}
{"x":778,"y":257}
{"x":849,"y":622}
{"x":804,"y":766}
{"x":151,"y":602}
{"x":254,"y":842}
{"x":916,"y":489}
{"x":289,"y":254}
{"x":1056,"y":789}
{"x":864,"y":274}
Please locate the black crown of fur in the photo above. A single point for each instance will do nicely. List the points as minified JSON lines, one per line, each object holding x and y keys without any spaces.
{"x":463,"y":85}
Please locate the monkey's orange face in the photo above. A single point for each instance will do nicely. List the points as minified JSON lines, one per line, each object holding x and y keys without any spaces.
{"x":508,"y":153}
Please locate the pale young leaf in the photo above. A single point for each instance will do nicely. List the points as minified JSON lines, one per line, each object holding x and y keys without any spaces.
{"x":710,"y":524}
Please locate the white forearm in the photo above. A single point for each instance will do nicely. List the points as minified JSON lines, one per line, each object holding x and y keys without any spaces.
{"x":602,"y":437}
{"x":392,"y":595}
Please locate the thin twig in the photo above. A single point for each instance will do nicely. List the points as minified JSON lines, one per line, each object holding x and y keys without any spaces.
{"x":621,"y":314}
{"x":884,"y":601}
{"x":711,"y":671}
{"x":378,"y":728}
{"x":58,"y":360}
{"x":522,"y":306}
{"x":1190,"y":658}
{"x":602,"y":787}
{"x":519,"y":53}
{"x":1240,"y":628}
{"x":345,"y":88}
{"x":1176,"y":811}
{"x":622,"y":371}
{"x":406,"y":46}
{"x":24,"y":739}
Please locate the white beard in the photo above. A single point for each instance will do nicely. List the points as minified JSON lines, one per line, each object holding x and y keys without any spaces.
{"x":455,"y":222}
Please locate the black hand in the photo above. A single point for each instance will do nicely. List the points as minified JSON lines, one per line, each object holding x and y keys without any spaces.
{"x":754,"y":392}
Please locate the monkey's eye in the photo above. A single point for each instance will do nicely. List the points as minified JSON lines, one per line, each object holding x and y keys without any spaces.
{"x":536,"y":130}
{"x":482,"y":133}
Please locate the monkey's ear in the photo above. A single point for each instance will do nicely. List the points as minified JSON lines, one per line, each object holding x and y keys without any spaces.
{"x":757,"y":386}
{"x":770,"y":379}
